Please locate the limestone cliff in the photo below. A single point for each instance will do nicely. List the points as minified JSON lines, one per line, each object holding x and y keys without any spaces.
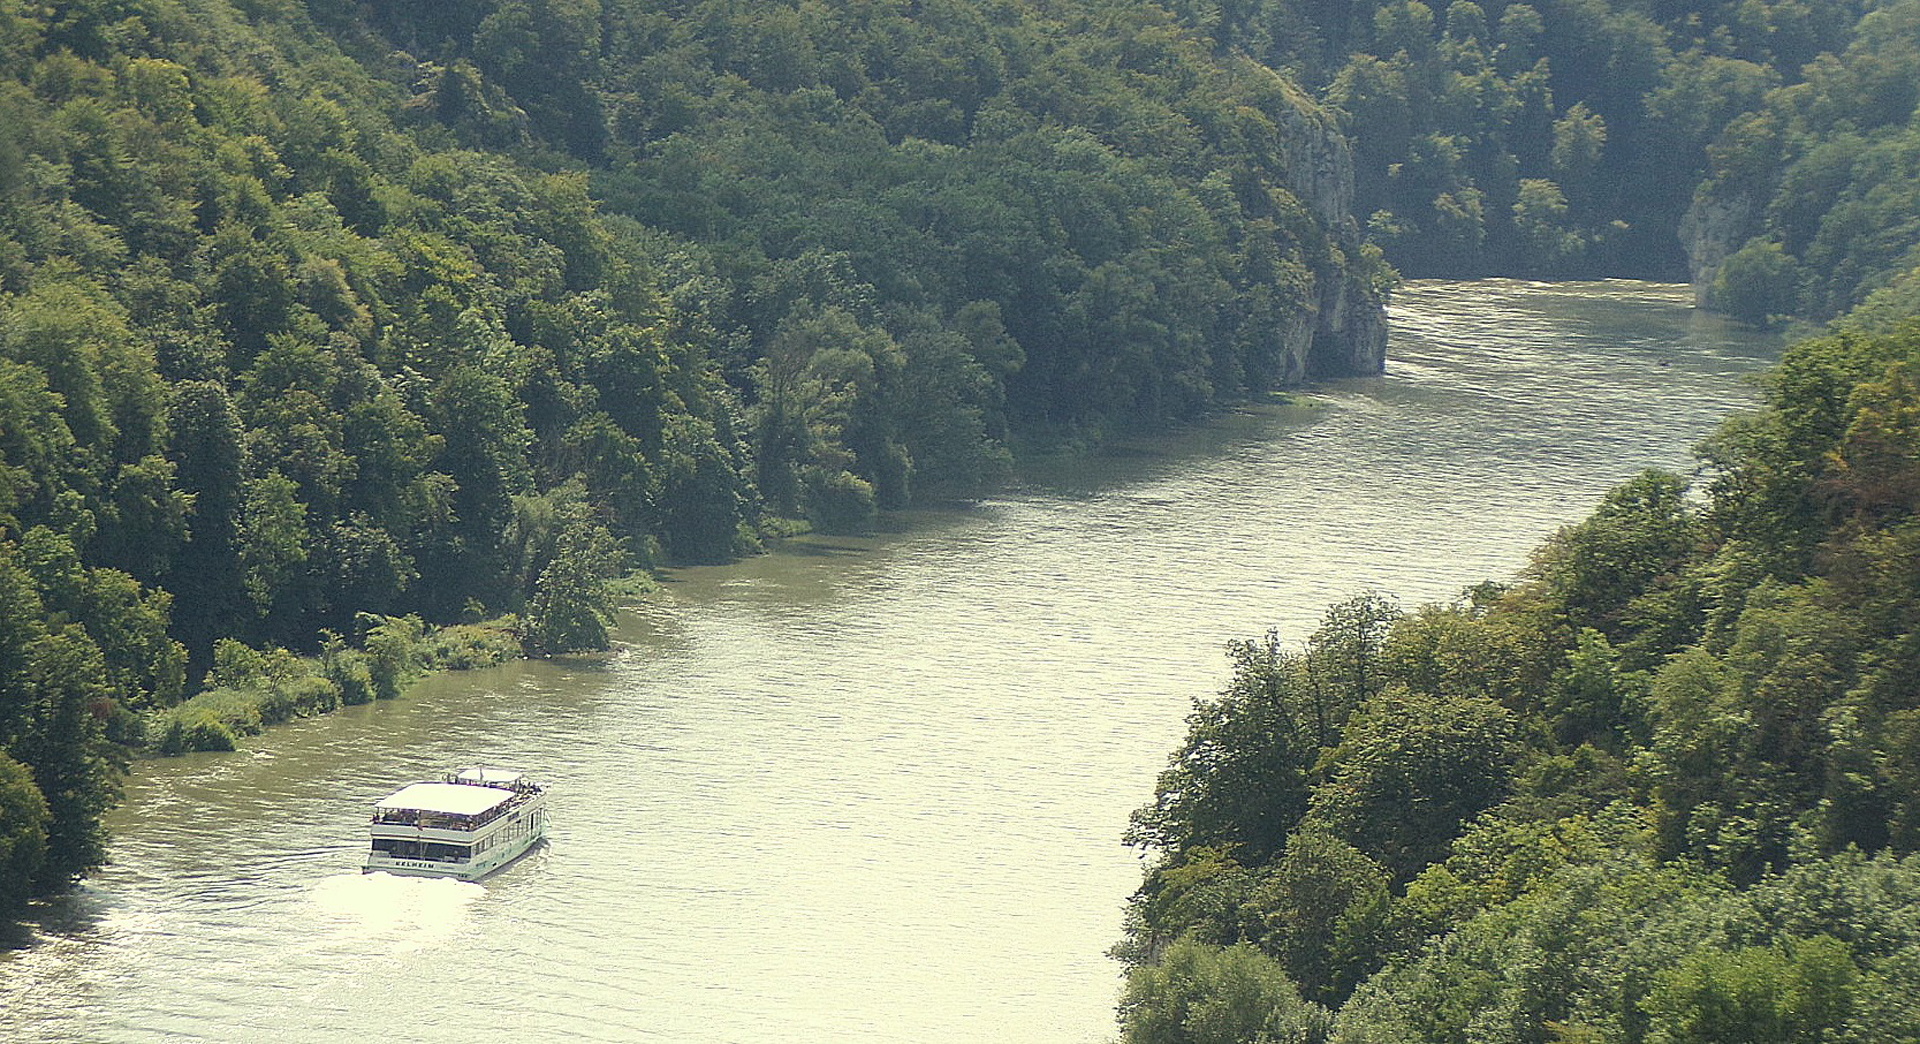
{"x":1714,"y":227}
{"x":1344,"y":332}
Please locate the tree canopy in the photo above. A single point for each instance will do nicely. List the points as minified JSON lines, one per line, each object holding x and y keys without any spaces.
{"x":324,"y":325}
{"x":1660,"y":788}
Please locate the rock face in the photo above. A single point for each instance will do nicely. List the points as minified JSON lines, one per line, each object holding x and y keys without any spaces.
{"x":1713,"y":228}
{"x":1344,"y":333}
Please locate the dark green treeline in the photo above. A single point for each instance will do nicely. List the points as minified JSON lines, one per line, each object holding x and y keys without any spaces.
{"x":1766,"y":150}
{"x":324,"y":323}
{"x":1665,"y":787}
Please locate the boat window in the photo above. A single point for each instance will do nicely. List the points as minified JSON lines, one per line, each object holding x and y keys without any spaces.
{"x":398,"y":848}
{"x":445,"y":853}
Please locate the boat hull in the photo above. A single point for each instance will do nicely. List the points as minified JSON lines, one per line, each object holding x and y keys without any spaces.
{"x":493,"y":862}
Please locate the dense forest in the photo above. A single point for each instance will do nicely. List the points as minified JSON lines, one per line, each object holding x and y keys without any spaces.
{"x":1664,"y":787}
{"x":338,"y":340}
{"x":1573,"y":137}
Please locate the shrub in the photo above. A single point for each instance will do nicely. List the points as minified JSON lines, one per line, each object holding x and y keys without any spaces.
{"x":1756,"y":284}
{"x":464,"y":647}
{"x":187,"y":728}
{"x":839,"y":501}
{"x":350,"y":675}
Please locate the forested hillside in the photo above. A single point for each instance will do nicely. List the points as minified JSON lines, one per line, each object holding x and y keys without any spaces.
{"x":1574,"y":137}
{"x":1664,"y":787}
{"x":324,"y":324}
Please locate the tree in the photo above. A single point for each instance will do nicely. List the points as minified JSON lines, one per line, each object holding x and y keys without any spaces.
{"x":1344,"y":663}
{"x":1540,"y":217}
{"x":207,"y":577}
{"x":1410,"y":772}
{"x":1325,"y":906}
{"x":63,"y":739}
{"x":571,"y":606}
{"x":1239,"y":780}
{"x":1200,"y":994}
{"x":1594,"y":569}
{"x":393,"y":651}
{"x":1757,"y":284}
{"x":23,"y":833}
{"x":1795,"y":994}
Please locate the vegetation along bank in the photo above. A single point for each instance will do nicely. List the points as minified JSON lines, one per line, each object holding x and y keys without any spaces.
{"x":324,"y":325}
{"x":1663,"y":787}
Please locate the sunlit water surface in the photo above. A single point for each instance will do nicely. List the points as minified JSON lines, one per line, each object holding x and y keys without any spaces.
{"x":866,"y":790}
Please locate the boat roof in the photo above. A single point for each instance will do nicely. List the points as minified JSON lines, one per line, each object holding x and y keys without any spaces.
{"x":459,"y":799}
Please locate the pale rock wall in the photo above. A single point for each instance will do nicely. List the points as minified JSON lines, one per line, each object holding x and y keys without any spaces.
{"x":1344,"y":332}
{"x":1713,"y":228}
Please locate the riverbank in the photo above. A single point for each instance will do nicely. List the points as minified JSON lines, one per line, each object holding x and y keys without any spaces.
{"x":250,"y":689}
{"x":907,"y":757}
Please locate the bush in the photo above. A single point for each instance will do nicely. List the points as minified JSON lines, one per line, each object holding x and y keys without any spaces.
{"x":185,"y":729}
{"x":255,"y":688}
{"x":1201,"y":994}
{"x":393,"y":651}
{"x":307,"y":695}
{"x":464,"y":647}
{"x":839,"y":501}
{"x":350,"y":674}
{"x":1756,"y":284}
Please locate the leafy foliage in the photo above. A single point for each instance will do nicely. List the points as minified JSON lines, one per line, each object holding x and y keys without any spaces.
{"x":1574,"y":137}
{"x":1661,"y":789}
{"x":323,"y":326}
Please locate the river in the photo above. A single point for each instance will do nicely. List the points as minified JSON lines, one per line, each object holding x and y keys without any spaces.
{"x":866,"y":790}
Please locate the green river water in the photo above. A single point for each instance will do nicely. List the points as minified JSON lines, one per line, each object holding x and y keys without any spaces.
{"x":868,"y":789}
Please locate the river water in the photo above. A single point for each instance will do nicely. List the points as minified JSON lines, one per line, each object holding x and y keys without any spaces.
{"x":866,"y":790}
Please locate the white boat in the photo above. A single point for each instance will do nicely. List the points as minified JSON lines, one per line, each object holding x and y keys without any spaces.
{"x":468,"y":825}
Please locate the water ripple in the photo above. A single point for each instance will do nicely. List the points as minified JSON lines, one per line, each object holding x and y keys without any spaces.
{"x":871,"y":793}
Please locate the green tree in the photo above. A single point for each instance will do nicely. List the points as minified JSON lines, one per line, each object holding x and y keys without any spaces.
{"x":1410,"y":772}
{"x":1594,"y":569}
{"x":1344,"y":663}
{"x":1239,"y":780}
{"x":1200,"y":994}
{"x":1799,"y":992}
{"x":1325,"y":906}
{"x":1540,"y":218}
{"x":571,"y":605}
{"x":23,"y":833}
{"x":1757,"y":284}
{"x":393,"y":651}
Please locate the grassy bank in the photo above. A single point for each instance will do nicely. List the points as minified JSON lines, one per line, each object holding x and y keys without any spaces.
{"x":249,"y":689}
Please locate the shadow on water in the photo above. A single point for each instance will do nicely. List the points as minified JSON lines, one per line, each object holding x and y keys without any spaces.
{"x":76,"y":915}
{"x":1137,"y":459}
{"x":812,"y":548}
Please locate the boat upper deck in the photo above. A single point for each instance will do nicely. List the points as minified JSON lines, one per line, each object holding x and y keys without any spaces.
{"x":463,"y":802}
{"x":452,"y":799}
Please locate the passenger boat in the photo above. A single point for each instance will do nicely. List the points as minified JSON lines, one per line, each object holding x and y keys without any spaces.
{"x":468,"y":825}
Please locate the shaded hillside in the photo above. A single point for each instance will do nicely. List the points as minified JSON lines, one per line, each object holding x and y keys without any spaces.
{"x":1600,"y":137}
{"x":319,"y":323}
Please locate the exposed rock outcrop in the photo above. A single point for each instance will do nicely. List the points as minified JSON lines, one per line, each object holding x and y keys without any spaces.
{"x":1713,"y":228}
{"x":1346,"y":332}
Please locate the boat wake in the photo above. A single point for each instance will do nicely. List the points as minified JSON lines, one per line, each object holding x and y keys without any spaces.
{"x":415,"y":911}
